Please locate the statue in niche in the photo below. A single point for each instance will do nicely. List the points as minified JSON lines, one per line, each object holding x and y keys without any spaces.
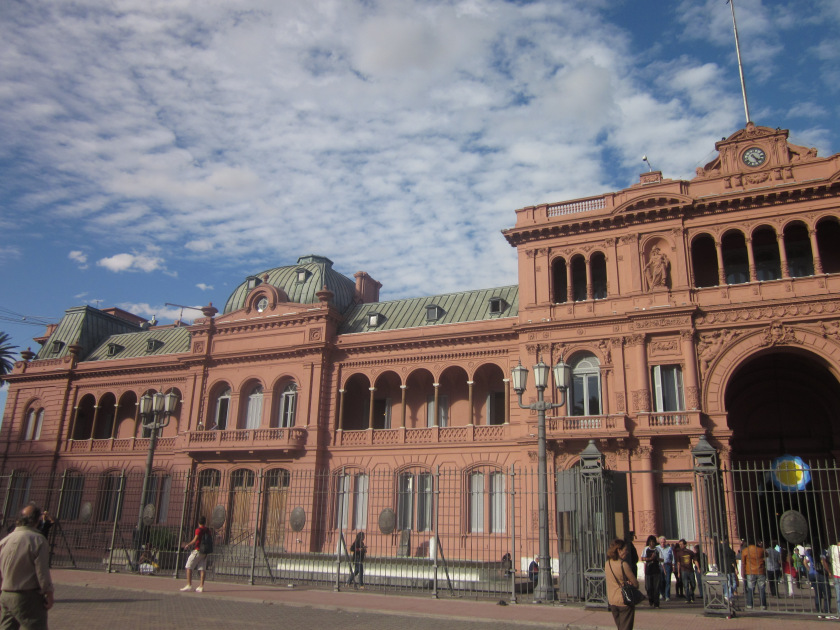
{"x":657,"y":269}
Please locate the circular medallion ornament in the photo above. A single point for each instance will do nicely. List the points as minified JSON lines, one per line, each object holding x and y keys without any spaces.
{"x":754,"y":157}
{"x":149,"y":514}
{"x":86,"y":512}
{"x":387,"y":521}
{"x":297,"y":519}
{"x":217,"y":518}
{"x":790,"y":473}
{"x":794,"y":526}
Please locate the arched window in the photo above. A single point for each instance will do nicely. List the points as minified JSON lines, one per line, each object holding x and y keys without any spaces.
{"x":735,"y":261}
{"x":255,"y":402}
{"x":579,"y":289}
{"x":765,"y":246}
{"x":221,"y":411}
{"x":598,"y":265}
{"x":414,"y":501}
{"x":73,"y":486}
{"x":800,"y":258}
{"x":487,"y":502}
{"x":288,"y":406}
{"x":32,"y":424}
{"x":351,"y":500}
{"x":109,"y":495}
{"x":560,"y":289}
{"x":704,"y":266}
{"x":585,"y":398}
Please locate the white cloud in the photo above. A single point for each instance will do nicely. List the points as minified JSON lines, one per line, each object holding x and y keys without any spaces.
{"x":163,"y":314}
{"x":131,"y":262}
{"x":204,"y":287}
{"x":78,"y":257}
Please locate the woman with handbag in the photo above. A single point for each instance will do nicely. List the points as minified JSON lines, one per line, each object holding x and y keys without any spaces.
{"x":619,"y":576}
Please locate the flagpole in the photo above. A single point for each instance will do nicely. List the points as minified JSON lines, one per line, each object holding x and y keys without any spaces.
{"x":740,"y":66}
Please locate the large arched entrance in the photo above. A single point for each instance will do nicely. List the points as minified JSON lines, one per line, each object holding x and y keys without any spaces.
{"x":783,"y":401}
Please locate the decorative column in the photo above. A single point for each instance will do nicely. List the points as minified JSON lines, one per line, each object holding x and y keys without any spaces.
{"x":470,"y":399}
{"x":721,"y":270}
{"x":95,"y":418}
{"x":645,"y":515}
{"x":750,"y":260}
{"x":780,"y":243}
{"x":116,"y":418}
{"x":589,"y":292}
{"x":341,"y":409}
{"x":370,"y":408}
{"x":570,"y":293}
{"x":506,"y":382}
{"x":641,"y":395}
{"x":690,"y":380}
{"x":403,"y":388}
{"x":435,"y":409}
{"x":815,"y":252}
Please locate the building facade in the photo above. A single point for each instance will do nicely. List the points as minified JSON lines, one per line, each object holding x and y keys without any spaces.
{"x":686,"y":309}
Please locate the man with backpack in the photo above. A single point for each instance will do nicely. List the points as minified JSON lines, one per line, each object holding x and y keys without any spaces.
{"x":202,"y":546}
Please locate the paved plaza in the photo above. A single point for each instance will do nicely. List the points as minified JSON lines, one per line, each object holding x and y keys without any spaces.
{"x":90,"y":600}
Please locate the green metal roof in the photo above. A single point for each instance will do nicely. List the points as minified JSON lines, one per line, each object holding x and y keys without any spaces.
{"x":85,"y":326}
{"x":454,"y":308}
{"x":319,"y":274}
{"x":169,"y":340}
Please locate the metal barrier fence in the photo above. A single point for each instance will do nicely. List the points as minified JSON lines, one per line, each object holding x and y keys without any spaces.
{"x":446,"y":531}
{"x":779,"y":513}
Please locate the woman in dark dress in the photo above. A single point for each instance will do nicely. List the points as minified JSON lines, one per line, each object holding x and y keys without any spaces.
{"x":653,"y":571}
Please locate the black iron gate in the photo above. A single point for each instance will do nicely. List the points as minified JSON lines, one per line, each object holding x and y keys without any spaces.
{"x":784,"y":515}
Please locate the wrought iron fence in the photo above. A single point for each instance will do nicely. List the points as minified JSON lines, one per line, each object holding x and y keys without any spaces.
{"x":781,"y":517}
{"x":446,"y":531}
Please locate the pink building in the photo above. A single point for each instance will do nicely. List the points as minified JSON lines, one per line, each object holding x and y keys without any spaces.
{"x":685,"y":309}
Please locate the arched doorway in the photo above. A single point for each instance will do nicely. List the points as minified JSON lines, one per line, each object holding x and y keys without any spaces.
{"x":781,"y":402}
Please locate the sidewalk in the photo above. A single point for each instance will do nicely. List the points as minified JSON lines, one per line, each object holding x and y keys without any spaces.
{"x":571,"y":617}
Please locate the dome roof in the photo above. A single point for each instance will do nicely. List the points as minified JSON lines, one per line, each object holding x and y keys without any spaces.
{"x":300,"y":283}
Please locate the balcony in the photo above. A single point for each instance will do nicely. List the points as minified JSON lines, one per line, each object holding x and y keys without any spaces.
{"x":234,"y":440}
{"x":121,"y":445}
{"x":611,"y":426}
{"x":290,"y":439}
{"x":668,"y":423}
{"x":424,"y":435}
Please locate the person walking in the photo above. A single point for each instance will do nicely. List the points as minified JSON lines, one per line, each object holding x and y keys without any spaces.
{"x":197,"y":560}
{"x":667,"y":554}
{"x":618,"y":573}
{"x":27,"y":588}
{"x":754,"y":572}
{"x":358,"y":550}
{"x":773,"y":564}
{"x":687,"y":563}
{"x":653,"y":571}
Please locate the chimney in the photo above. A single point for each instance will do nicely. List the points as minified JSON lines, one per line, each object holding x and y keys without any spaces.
{"x":367,"y":289}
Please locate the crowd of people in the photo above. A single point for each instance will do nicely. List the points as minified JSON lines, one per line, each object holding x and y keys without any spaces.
{"x":760,"y":568}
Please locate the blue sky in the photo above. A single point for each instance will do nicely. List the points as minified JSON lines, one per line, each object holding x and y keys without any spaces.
{"x":159,"y":151}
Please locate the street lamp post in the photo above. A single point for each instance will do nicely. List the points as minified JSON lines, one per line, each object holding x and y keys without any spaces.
{"x":155,"y":412}
{"x":519,"y":376}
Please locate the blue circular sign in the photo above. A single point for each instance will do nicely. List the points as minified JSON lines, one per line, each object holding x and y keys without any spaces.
{"x":790,"y":473}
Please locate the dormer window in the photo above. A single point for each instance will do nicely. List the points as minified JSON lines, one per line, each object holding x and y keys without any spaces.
{"x":302,"y":275}
{"x":374,"y":319}
{"x":433,"y":312}
{"x":253,"y":282}
{"x":497,"y":306}
{"x":114,"y":349}
{"x":57,"y":347}
{"x":153,"y":344}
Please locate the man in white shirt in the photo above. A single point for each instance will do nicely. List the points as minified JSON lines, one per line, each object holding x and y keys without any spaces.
{"x":667,"y":554}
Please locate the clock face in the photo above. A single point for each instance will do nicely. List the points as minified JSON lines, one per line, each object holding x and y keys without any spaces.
{"x":754,"y":157}
{"x":262,"y":305}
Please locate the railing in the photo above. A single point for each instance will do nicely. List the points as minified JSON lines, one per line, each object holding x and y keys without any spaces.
{"x":121,"y":445}
{"x":423,"y":435}
{"x":669,"y":421}
{"x":586,"y":425}
{"x":584,"y":205}
{"x":193,"y":440}
{"x":292,"y":438}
